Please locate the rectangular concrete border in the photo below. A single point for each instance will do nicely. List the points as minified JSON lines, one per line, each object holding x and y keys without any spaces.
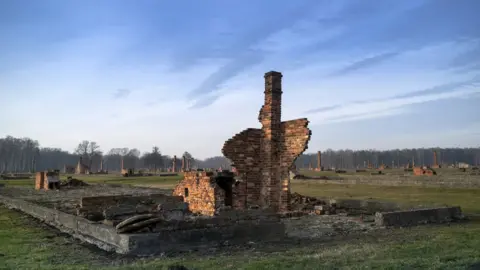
{"x":147,"y":244}
{"x":101,"y":235}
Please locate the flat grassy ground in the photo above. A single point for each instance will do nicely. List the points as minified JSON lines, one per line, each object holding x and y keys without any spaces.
{"x":395,"y":171}
{"x":27,"y":244}
{"x":158,"y":181}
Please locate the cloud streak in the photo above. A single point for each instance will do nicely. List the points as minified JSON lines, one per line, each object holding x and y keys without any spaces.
{"x":121,"y":93}
{"x":247,"y":56}
{"x":436,"y":90}
{"x":365,"y":63}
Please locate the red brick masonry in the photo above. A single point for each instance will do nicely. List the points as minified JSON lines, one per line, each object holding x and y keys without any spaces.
{"x":264,"y":156}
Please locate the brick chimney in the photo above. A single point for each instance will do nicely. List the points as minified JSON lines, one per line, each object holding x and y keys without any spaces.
{"x":270,"y":117}
{"x":184,"y":164}
{"x":174,"y":165}
{"x":319,"y":160}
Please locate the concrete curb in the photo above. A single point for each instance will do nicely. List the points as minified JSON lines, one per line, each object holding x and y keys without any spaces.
{"x":147,"y":244}
{"x":418,"y":216}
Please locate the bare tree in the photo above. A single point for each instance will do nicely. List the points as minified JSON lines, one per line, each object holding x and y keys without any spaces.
{"x":88,"y":150}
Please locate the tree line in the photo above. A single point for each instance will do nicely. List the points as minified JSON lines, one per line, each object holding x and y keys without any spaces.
{"x":396,"y":158}
{"x":26,"y":155}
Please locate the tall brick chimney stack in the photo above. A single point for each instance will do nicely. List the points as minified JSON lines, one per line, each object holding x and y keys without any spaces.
{"x":319,"y":160}
{"x":174,"y":164}
{"x":271,"y":112}
{"x":435,"y":163}
{"x":184,"y":164}
{"x":270,"y":117}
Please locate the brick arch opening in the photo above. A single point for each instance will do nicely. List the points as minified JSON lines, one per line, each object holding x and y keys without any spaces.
{"x":226,"y":183}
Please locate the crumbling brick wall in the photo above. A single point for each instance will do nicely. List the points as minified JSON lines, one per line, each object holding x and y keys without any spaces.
{"x":421,"y":171}
{"x":39,"y":180}
{"x":264,"y":156}
{"x":201,"y":192}
{"x":43,"y":179}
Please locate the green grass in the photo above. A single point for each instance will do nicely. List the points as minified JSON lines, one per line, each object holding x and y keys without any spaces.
{"x":24,"y":244}
{"x":27,"y":245}
{"x":468,"y":199}
{"x":440,"y":171}
{"x":160,"y":181}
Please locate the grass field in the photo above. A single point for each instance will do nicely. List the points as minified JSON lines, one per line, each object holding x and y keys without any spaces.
{"x":395,"y":171}
{"x":26,"y":244}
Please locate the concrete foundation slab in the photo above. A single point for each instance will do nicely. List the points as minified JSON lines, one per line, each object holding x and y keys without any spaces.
{"x":145,"y":244}
{"x":418,"y":216}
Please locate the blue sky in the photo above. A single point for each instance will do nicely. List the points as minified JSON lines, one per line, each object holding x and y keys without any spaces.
{"x":187,"y":75}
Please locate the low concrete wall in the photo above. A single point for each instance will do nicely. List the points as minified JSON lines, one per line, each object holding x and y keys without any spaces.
{"x":418,"y":216}
{"x":460,"y":181}
{"x":185,"y":240}
{"x":145,"y":244}
{"x":369,"y":206}
{"x":100,"y":235}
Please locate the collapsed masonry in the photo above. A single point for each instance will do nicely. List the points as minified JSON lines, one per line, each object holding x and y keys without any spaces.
{"x":262,"y":157}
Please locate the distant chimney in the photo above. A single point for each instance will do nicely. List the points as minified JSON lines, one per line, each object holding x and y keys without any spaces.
{"x":174,"y":165}
{"x":319,"y":160}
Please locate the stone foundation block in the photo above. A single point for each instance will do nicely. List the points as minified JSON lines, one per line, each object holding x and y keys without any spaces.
{"x":418,"y":216}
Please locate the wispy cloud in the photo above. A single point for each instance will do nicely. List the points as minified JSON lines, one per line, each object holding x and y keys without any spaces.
{"x":121,"y":93}
{"x":387,"y":107}
{"x":352,"y":61}
{"x":374,"y":114}
{"x":246,"y":56}
{"x":436,"y":90}
{"x":324,"y":109}
{"x":365,"y":63}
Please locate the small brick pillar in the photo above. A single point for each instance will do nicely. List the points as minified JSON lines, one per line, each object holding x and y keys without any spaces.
{"x":39,"y":180}
{"x":435,"y":163}
{"x":319,"y":160}
{"x":121,"y":163}
{"x":174,"y":164}
{"x":101,"y":165}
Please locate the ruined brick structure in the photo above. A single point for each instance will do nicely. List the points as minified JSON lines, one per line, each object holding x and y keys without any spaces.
{"x":418,"y":171}
{"x":206,"y":192}
{"x":264,"y":156}
{"x":81,"y":168}
{"x":47,"y":180}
